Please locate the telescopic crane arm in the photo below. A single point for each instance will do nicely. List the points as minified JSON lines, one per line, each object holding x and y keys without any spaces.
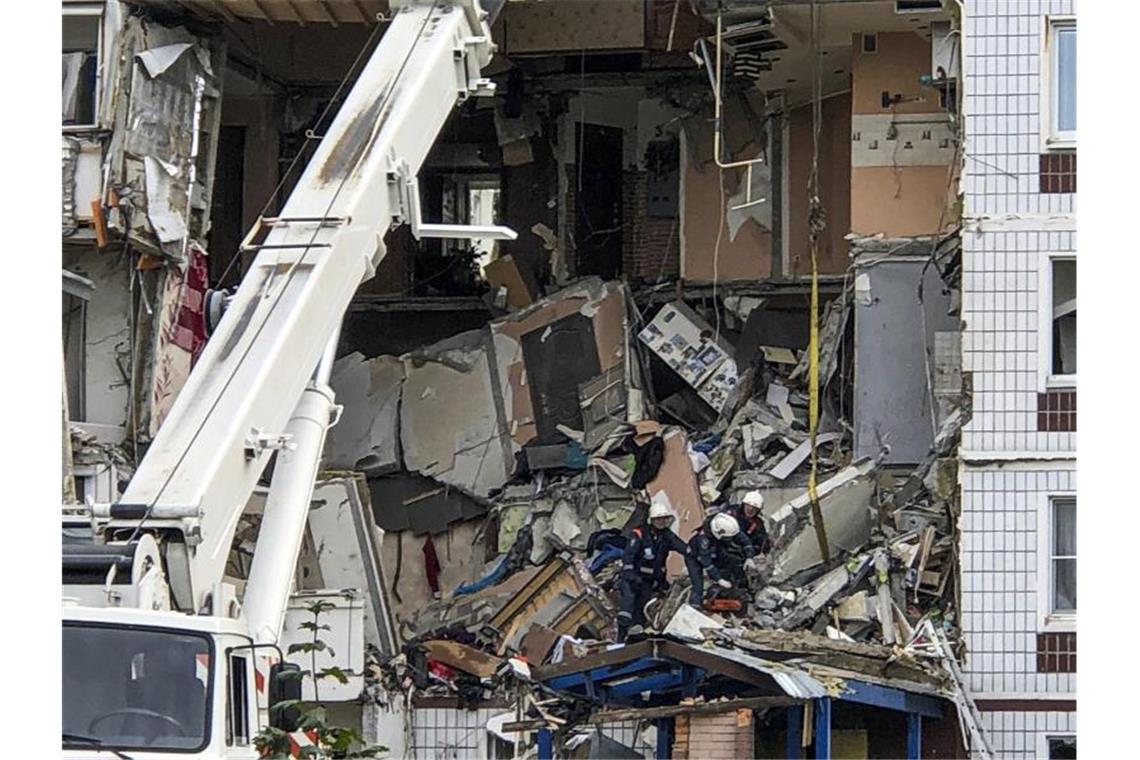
{"x":258,"y":372}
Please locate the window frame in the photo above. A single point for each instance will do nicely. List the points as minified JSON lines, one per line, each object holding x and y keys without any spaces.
{"x":1043,"y":741}
{"x":1048,"y":620}
{"x":239,"y":690}
{"x":89,"y":9}
{"x":1046,"y":379}
{"x":1053,"y":139}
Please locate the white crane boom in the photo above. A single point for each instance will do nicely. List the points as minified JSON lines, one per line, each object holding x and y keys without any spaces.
{"x":199,"y":472}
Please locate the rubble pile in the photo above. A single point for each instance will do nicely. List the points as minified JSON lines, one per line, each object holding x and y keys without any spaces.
{"x":566,"y":460}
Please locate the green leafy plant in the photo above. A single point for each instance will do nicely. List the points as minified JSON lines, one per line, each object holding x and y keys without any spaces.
{"x":330,"y":741}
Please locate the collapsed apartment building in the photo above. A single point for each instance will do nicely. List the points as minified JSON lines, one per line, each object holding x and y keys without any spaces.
{"x":695,"y":183}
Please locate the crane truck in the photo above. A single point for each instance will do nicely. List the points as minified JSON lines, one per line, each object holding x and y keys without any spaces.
{"x":160,"y":656}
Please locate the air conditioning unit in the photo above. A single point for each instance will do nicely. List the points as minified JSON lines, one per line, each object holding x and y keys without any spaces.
{"x":945,"y":56}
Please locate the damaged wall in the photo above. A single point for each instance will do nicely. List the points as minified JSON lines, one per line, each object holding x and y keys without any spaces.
{"x":459,"y":552}
{"x":745,"y":256}
{"x":107,"y":349}
{"x":166,"y":107}
{"x":894,"y":332}
{"x":900,"y":185}
{"x":835,"y":187}
{"x":576,"y":25}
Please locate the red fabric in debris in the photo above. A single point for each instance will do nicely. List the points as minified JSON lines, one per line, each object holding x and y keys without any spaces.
{"x":190,"y":326}
{"x":441,"y":671}
{"x":431,"y":564}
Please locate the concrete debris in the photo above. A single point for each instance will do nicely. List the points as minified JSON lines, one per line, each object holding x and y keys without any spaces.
{"x":567,"y":466}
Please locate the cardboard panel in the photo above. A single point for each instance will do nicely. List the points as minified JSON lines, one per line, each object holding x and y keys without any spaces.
{"x":678,"y":481}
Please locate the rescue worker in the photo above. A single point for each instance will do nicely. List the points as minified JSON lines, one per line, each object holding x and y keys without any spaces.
{"x":748,"y":515}
{"x":643,"y":565}
{"x":720,"y":549}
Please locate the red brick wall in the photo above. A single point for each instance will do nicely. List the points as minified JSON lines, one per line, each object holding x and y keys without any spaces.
{"x":651,"y":247}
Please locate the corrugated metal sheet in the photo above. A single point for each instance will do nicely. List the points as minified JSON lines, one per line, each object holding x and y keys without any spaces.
{"x":794,"y":682}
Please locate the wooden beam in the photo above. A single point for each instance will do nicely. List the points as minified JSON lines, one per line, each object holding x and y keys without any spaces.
{"x":296,"y":11}
{"x":265,"y":14}
{"x":327,"y":12}
{"x":367,"y":19}
{"x":699,"y":708}
{"x":628,"y":653}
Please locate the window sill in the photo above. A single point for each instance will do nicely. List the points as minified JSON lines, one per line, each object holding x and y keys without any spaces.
{"x":1059,"y":145}
{"x":1061,"y":382}
{"x":1059,"y":623}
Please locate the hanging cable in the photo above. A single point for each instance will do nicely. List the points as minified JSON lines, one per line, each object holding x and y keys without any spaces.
{"x":817,"y":224}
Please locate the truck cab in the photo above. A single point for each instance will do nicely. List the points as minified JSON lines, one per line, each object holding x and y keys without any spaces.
{"x":149,"y":684}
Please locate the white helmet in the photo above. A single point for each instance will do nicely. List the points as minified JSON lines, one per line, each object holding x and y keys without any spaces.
{"x":754,"y":499}
{"x":724,"y":526}
{"x":660,"y":509}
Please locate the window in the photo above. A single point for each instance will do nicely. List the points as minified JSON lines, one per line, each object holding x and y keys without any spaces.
{"x":1061,"y":50}
{"x":81,"y":34}
{"x":134,"y":688}
{"x":237,"y":716}
{"x":1063,"y":556}
{"x":1061,"y":747}
{"x":1064,"y":277}
{"x":1057,"y":320}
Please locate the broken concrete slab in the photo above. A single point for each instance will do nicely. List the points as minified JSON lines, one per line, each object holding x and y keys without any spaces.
{"x":845,"y":502}
{"x":450,"y":426}
{"x":367,"y":437}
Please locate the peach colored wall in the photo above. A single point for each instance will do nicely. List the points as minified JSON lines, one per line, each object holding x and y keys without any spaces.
{"x":896,"y":201}
{"x":834,"y":184}
{"x":902,"y":57}
{"x":899,"y":203}
{"x":748,"y":257}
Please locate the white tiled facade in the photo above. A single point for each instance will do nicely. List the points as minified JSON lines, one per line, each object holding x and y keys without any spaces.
{"x":1009,"y":469}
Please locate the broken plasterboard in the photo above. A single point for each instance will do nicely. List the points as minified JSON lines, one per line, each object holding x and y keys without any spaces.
{"x":367,"y":437}
{"x":449,"y":424}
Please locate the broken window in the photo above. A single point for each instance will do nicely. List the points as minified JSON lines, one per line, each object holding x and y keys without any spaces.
{"x":1063,"y":81}
{"x":1062,"y":747}
{"x":1064,"y":275}
{"x":1063,"y":555}
{"x":81,"y":28}
{"x":474,"y":200}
